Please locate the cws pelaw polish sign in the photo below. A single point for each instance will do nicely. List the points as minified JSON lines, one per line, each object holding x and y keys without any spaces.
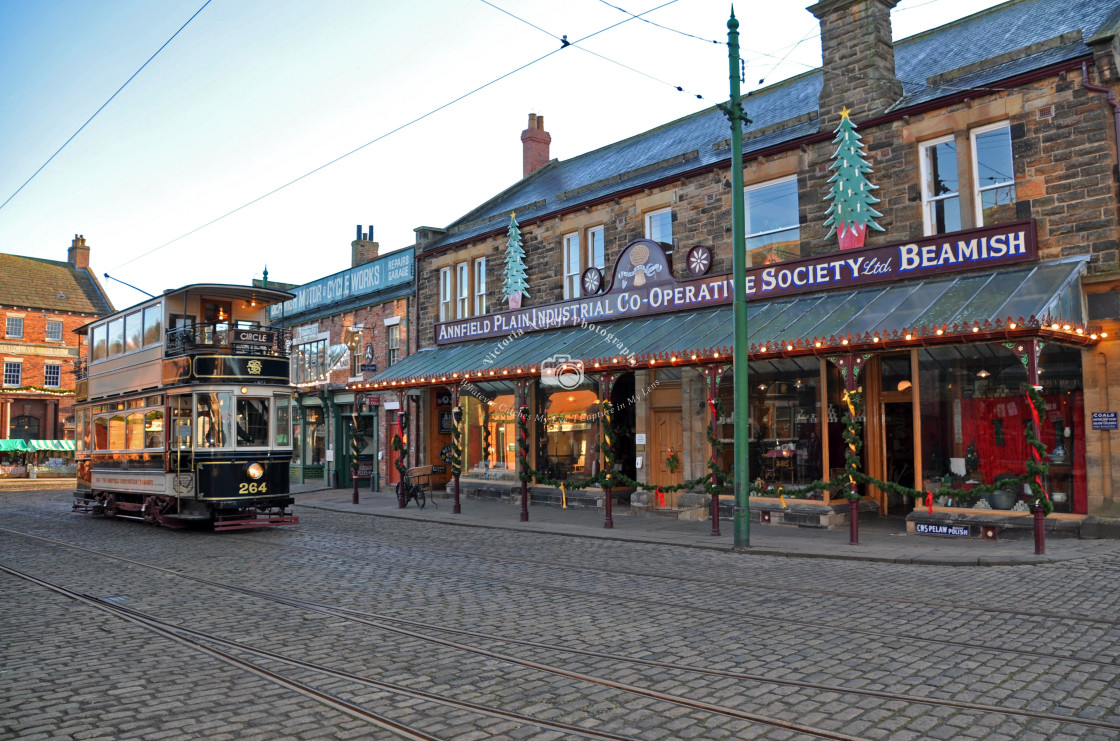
{"x":642,"y":283}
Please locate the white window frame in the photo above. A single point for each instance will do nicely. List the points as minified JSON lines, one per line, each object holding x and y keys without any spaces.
{"x":54,"y":323}
{"x":572,"y":265}
{"x":393,"y":342}
{"x":978,"y":189}
{"x":596,"y":260}
{"x":13,"y":327}
{"x":462,"y":290}
{"x":57,"y":376}
{"x":17,"y":373}
{"x":480,"y":286}
{"x":445,"y":294}
{"x":929,"y":200}
{"x":649,"y":219}
{"x":755,"y":190}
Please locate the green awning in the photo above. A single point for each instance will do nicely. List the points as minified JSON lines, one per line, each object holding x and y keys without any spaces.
{"x":8,"y":446}
{"x":955,"y":304}
{"x":62,"y":445}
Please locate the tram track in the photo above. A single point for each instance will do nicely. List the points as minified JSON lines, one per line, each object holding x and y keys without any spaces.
{"x":721,"y":583}
{"x":421,"y":631}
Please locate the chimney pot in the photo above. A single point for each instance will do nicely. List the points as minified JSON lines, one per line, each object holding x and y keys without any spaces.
{"x":534,"y":146}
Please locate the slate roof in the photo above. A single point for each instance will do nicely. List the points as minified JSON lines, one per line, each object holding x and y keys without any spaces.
{"x":1046,"y":29}
{"x":54,"y":285}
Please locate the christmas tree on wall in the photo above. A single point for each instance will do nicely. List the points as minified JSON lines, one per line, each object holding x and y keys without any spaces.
{"x":516,"y":285}
{"x":851,"y":212}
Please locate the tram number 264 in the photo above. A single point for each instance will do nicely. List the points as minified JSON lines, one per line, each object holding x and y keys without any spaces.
{"x":254,"y":488}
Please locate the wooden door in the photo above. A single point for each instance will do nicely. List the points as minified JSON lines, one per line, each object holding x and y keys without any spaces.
{"x":667,"y":439}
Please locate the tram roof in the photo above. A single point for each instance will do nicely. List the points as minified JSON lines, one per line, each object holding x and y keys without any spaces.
{"x":264,"y":296}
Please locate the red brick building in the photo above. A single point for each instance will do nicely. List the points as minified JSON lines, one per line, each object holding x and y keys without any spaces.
{"x":41,"y":303}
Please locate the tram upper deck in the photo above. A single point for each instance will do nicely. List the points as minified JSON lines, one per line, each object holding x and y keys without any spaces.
{"x":198,"y":334}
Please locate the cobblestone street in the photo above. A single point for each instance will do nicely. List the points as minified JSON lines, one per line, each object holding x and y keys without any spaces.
{"x":366,"y":626}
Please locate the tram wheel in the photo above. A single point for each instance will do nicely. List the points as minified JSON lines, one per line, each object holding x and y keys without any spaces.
{"x":111,"y":509}
{"x":152,"y":511}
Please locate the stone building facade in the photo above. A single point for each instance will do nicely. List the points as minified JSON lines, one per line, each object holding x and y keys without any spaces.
{"x":962,"y":138}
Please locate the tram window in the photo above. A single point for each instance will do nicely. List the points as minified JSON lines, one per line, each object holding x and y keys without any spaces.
{"x":116,"y":337}
{"x":213,"y":417}
{"x":117,"y":432}
{"x":101,"y":433}
{"x":252,"y":421}
{"x":134,"y":431}
{"x":153,"y":318}
{"x":181,"y":421}
{"x":283,"y":421}
{"x":133,"y":331}
{"x":99,"y":348}
{"x":153,"y":429}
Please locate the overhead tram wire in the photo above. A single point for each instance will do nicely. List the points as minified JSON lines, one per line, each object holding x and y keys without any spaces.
{"x":103,"y":105}
{"x":374,"y":141}
{"x":565,"y":43}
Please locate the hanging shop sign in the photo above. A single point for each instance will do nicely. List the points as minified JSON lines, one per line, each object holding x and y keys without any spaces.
{"x":385,"y":272}
{"x":642,"y":282}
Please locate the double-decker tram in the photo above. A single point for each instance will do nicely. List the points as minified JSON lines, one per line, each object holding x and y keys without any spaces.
{"x":184,"y":411}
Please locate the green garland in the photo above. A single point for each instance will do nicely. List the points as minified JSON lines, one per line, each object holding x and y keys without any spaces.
{"x":398,"y":445}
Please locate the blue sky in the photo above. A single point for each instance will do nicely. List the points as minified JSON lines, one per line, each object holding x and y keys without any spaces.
{"x":252,"y":95}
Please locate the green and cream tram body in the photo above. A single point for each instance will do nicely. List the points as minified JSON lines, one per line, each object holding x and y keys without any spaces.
{"x":184,"y":411}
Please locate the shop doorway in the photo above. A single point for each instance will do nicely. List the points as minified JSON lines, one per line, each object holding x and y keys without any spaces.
{"x":898,"y":454}
{"x":667,"y":444}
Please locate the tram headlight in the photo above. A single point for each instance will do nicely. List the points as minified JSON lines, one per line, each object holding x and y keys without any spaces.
{"x":255,"y":470}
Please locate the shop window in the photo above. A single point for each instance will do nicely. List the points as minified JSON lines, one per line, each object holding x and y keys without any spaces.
{"x":54,"y":330}
{"x":773,"y":226}
{"x":489,"y":428}
{"x":568,"y":431}
{"x":786,"y":418}
{"x":316,"y":437}
{"x":973,"y":411}
{"x":52,"y":376}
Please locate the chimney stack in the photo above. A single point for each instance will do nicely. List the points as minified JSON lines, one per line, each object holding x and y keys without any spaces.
{"x":78,"y":254}
{"x":534,"y":145}
{"x":363,"y":249}
{"x":857,"y":54}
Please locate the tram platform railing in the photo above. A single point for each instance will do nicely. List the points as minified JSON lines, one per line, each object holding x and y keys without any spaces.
{"x":223,"y":337}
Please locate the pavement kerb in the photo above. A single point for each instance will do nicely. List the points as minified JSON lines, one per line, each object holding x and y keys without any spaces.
{"x":1027,"y":558}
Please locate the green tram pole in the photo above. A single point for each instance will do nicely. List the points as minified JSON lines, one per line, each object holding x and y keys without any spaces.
{"x":738,"y":117}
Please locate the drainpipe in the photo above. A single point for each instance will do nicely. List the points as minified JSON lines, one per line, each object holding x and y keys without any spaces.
{"x":1115,"y":111}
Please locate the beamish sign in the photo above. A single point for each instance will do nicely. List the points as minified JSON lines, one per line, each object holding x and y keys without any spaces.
{"x":391,"y":270}
{"x":642,"y":282}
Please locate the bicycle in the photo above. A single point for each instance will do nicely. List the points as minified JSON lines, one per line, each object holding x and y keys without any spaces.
{"x":411,"y":488}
